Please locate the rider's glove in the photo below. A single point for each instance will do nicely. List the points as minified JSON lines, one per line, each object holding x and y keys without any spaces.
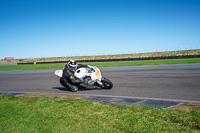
{"x":71,"y":77}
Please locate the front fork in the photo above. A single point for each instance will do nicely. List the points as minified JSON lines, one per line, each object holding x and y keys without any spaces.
{"x":99,"y":81}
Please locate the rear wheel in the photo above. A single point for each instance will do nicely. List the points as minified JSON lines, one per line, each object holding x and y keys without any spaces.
{"x":107,"y":84}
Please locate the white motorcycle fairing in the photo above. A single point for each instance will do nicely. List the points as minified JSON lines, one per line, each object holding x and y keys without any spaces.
{"x":92,"y":74}
{"x":58,"y":73}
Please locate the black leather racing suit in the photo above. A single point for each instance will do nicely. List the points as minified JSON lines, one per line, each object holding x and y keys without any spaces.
{"x":68,"y":77}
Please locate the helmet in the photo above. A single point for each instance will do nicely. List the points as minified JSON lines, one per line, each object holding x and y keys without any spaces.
{"x":72,"y":65}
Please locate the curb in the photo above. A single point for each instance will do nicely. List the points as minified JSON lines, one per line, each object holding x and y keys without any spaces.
{"x":130,"y":101}
{"x":153,"y":103}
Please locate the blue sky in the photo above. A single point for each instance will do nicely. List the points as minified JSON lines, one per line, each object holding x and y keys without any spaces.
{"x":57,"y":28}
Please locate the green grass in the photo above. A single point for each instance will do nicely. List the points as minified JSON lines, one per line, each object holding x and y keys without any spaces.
{"x":32,"y":66}
{"x":146,"y":62}
{"x":46,"y":115}
{"x":102,"y":64}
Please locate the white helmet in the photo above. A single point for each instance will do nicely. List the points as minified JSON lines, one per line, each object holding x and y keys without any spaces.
{"x":72,"y":65}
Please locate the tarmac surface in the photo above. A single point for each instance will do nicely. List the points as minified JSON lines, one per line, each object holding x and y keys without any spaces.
{"x":153,"y":86}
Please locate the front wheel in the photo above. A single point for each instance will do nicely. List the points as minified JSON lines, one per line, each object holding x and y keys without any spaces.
{"x":107,"y":84}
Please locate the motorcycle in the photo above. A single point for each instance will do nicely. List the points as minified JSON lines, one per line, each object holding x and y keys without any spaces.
{"x":91,"y":77}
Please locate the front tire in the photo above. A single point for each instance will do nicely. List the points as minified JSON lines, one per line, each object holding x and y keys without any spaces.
{"x":107,"y":84}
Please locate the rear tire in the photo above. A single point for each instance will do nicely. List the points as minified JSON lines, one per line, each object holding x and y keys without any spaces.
{"x":107,"y":84}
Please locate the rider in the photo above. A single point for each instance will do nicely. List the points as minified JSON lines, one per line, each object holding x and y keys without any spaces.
{"x":68,"y":78}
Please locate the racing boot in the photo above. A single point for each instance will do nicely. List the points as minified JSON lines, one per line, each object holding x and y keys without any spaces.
{"x":68,"y":85}
{"x":73,"y":88}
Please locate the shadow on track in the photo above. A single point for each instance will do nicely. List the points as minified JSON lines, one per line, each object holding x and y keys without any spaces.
{"x":80,"y":89}
{"x":61,"y":88}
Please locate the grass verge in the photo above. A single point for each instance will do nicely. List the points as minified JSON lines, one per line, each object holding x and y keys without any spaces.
{"x":42,"y":114}
{"x":102,"y":64}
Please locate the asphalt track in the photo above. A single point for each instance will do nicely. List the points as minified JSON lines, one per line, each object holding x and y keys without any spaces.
{"x":174,"y":83}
